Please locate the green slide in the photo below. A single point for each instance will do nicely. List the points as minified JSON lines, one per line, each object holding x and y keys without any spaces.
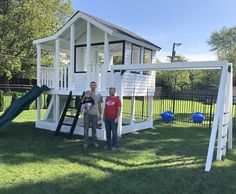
{"x":21,"y":103}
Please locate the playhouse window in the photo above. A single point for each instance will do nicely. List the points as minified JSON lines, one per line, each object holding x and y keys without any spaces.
{"x":147,"y":59}
{"x":136,"y":54}
{"x":80,"y":54}
{"x":116,"y":53}
{"x":97,"y":54}
{"x":116,"y":50}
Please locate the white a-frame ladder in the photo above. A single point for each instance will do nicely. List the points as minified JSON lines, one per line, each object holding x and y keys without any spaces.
{"x":222,"y":122}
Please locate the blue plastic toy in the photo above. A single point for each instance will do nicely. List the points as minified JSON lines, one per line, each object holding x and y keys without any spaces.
{"x":167,"y":116}
{"x":198,"y":117}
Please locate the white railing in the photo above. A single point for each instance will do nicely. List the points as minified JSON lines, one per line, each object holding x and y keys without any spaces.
{"x":63,"y":78}
{"x":47,"y":76}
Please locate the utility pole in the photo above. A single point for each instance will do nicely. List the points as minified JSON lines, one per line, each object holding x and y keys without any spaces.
{"x":173,"y":51}
{"x":172,"y":60}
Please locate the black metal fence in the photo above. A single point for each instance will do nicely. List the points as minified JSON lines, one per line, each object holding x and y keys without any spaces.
{"x":19,"y":90}
{"x":183,"y":105}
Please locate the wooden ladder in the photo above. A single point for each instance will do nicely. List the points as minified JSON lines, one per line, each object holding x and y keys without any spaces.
{"x":64,"y":114}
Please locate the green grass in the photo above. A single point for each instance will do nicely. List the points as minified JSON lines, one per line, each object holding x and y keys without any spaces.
{"x":167,"y":159}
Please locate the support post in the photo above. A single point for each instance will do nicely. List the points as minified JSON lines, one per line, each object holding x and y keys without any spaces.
{"x":230,"y":135}
{"x":150,"y":109}
{"x":57,"y":115}
{"x":57,"y":63}
{"x":223,"y":107}
{"x":103,"y":108}
{"x":88,"y":56}
{"x":39,"y":80}
{"x":132,"y":119}
{"x":72,"y":57}
{"x":105,"y":66}
{"x":121,"y":111}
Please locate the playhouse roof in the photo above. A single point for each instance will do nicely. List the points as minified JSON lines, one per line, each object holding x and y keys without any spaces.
{"x":104,"y":25}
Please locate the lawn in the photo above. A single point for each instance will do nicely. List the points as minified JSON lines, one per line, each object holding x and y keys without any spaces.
{"x":167,"y":159}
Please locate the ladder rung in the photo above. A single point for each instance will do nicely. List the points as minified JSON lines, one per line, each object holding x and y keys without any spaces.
{"x":71,"y":116}
{"x":72,"y":107}
{"x":223,"y":147}
{"x":67,"y":124}
{"x":225,"y":124}
{"x":224,"y":136}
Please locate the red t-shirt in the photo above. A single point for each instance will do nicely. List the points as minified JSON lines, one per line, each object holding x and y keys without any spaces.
{"x":111,"y":107}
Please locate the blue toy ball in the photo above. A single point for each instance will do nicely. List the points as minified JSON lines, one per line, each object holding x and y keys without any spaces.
{"x":198,"y":117}
{"x":167,"y":116}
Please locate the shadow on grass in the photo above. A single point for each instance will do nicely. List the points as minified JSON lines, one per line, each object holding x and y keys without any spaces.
{"x":143,"y":181}
{"x":160,"y":160}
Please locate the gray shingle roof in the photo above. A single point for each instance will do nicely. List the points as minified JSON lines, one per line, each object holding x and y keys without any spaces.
{"x":118,"y":29}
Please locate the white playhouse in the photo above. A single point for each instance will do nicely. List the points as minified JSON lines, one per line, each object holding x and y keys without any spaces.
{"x":89,"y":49}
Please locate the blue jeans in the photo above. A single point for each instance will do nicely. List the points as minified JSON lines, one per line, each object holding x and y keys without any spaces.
{"x":111,"y":127}
{"x":90,"y":120}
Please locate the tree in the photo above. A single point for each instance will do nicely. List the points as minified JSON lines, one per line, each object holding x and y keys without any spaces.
{"x":21,"y":22}
{"x":174,"y":80}
{"x":224,"y":43}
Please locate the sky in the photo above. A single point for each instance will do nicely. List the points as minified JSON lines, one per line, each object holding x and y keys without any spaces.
{"x":164,"y":22}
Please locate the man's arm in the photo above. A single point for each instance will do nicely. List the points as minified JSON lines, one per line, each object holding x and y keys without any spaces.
{"x":118,"y":115}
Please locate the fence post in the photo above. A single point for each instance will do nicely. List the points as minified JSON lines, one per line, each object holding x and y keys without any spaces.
{"x":211,"y":106}
{"x":173,"y":108}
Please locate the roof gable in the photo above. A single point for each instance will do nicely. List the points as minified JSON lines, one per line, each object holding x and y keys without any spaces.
{"x":103,"y":25}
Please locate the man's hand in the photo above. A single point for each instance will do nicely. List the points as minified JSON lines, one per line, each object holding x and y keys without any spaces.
{"x":116,"y":120}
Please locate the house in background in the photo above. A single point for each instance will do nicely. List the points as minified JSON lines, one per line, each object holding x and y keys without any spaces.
{"x":85,"y":49}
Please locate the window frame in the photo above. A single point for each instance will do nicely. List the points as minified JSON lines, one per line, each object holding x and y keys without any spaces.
{"x":97,"y":44}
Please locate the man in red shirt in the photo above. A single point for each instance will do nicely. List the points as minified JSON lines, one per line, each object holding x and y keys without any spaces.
{"x":110,"y":117}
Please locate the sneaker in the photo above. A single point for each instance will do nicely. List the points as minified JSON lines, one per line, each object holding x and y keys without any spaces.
{"x":85,"y":145}
{"x":96,"y":145}
{"x":113,"y":148}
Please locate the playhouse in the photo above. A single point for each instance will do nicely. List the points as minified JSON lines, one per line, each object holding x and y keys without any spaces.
{"x":89,"y":49}
{"x":85,"y":49}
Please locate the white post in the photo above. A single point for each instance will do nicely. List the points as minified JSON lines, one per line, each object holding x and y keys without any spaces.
{"x":121,"y":112}
{"x":150,"y":109}
{"x":230,"y":136}
{"x":88,"y":56}
{"x":105,"y":66}
{"x":218,"y":111}
{"x":57,"y":111}
{"x":39,"y":80}
{"x":223,"y":107}
{"x":103,"y":108}
{"x":132,"y":119}
{"x":72,"y":57}
{"x":57,"y":63}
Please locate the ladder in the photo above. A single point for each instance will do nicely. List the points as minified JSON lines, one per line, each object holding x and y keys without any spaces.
{"x":224,"y":120}
{"x":77,"y":107}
